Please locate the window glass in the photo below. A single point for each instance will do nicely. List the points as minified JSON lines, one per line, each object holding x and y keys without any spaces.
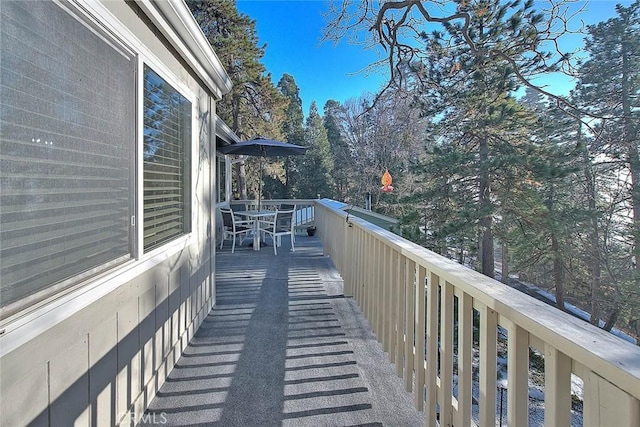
{"x":67,"y":135}
{"x":167,"y":168}
{"x":222,"y":173}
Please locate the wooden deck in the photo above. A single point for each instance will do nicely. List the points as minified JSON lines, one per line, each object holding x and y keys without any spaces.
{"x":282,"y":347}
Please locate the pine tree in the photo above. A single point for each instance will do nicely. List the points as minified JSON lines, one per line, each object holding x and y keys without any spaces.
{"x":342,"y":161}
{"x":542,"y":208}
{"x":609,"y":86}
{"x":478,"y":119}
{"x":292,"y":129}
{"x":315,"y":177}
{"x":254,"y":107}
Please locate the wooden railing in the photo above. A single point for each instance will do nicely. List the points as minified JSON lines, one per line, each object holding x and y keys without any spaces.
{"x":303,"y":217}
{"x":444,"y":327}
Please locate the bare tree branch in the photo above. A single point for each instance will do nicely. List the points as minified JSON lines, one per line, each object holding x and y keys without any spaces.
{"x":395,"y":21}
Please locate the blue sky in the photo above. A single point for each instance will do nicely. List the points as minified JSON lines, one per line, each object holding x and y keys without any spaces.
{"x":292,"y":30}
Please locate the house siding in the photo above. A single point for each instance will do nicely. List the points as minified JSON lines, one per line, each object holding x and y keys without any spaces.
{"x":103,"y":364}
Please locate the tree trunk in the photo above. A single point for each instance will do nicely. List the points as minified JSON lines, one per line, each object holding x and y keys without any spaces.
{"x":287,"y":179}
{"x":612,"y":319}
{"x":593,"y":254}
{"x":630,"y":141}
{"x":634,"y":162}
{"x":558,"y":269}
{"x":486,"y":220}
{"x":241,"y":177}
{"x":558,"y":272}
{"x":505,"y":263}
{"x":241,"y":180}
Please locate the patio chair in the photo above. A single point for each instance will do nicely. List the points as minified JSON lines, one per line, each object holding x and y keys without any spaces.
{"x":238,"y":206}
{"x":279,"y":225}
{"x":233,"y":228}
{"x":285,"y":222}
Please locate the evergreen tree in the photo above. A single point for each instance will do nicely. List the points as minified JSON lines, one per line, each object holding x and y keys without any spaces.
{"x":253,"y":107}
{"x":543,"y":214}
{"x":480,"y":124}
{"x":342,"y":161}
{"x":292,"y":129}
{"x":609,"y":88}
{"x":315,"y":177}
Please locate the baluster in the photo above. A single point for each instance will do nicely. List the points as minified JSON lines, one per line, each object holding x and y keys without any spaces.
{"x":557,"y":388}
{"x":488,"y":365}
{"x":409,"y":339}
{"x":432,"y":347}
{"x":420,"y":338}
{"x":465,"y":355}
{"x":446,"y":353}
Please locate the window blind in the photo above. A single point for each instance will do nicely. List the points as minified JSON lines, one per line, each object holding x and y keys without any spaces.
{"x":167,"y":169}
{"x":67,"y":132}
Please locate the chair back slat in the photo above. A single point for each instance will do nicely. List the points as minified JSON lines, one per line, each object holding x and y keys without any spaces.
{"x":233,"y":229}
{"x":284,"y":219}
{"x":227,"y":217}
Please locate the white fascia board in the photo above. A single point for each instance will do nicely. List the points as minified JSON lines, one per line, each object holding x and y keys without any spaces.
{"x":174,"y":19}
{"x":225,"y":131}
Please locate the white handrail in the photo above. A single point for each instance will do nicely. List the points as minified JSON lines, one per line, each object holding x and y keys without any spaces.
{"x":415,"y":299}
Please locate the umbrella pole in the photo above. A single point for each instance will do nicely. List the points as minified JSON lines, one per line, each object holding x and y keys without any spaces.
{"x":260,"y":186}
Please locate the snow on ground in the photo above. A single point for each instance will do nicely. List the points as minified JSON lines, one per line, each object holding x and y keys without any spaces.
{"x":572,"y":309}
{"x":536,"y":390}
{"x":536,"y":377}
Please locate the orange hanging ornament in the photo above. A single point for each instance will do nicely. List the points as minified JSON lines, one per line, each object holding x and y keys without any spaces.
{"x":386,"y":182}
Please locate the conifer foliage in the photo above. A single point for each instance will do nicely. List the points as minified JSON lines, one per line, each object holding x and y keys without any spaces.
{"x":488,"y":168}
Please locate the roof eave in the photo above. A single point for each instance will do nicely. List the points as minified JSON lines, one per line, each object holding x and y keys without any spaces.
{"x":225,"y":132}
{"x":174,"y":19}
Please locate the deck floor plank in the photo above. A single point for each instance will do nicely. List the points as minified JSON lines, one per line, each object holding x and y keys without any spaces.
{"x":283,"y":347}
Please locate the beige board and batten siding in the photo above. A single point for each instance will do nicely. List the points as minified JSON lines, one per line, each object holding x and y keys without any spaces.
{"x":98,"y":357}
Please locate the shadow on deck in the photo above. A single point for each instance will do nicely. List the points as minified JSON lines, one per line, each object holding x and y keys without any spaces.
{"x":282,"y":347}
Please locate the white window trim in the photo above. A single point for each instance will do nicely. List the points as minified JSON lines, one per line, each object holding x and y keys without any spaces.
{"x":158,"y":67}
{"x":222,"y":161}
{"x":28,"y":323}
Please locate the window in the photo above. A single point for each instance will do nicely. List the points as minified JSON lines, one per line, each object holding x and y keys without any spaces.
{"x":222,"y":177}
{"x":167,"y":165}
{"x":67,"y":133}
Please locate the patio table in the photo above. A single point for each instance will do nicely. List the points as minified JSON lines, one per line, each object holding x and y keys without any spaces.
{"x":256,"y":216}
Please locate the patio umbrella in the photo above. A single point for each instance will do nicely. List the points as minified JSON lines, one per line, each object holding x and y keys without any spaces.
{"x":263,"y":147}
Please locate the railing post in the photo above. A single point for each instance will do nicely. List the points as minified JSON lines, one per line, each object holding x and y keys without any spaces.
{"x":410,"y":306}
{"x":606,"y":404}
{"x":446,"y":353}
{"x":386,"y":300}
{"x":393,"y":305}
{"x":465,"y":355}
{"x":347,"y":259}
{"x":517,"y":375}
{"x":380,"y":291}
{"x":420,"y":338}
{"x":359,"y":262}
{"x":368,"y":284}
{"x":400,"y":309}
{"x":432,"y":348}
{"x":557,"y":388}
{"x":488,"y":365}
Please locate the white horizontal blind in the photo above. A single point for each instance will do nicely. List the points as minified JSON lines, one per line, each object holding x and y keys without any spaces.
{"x":167,"y":168}
{"x":67,"y":129}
